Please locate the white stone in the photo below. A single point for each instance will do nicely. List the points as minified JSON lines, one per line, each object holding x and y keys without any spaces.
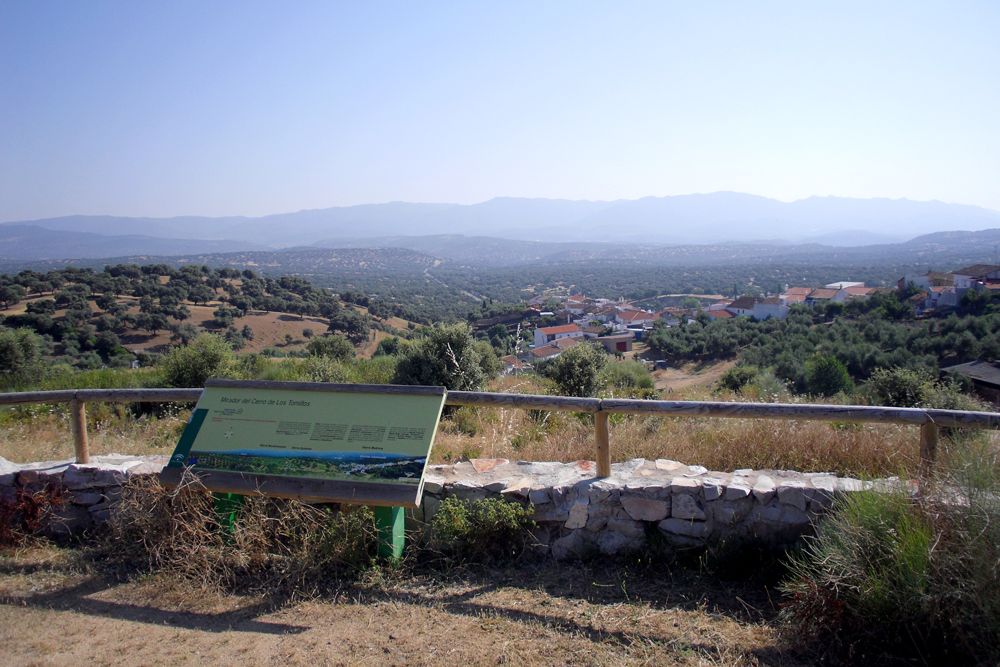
{"x":764,"y":489}
{"x":645,"y":509}
{"x":667,"y":464}
{"x":577,"y":514}
{"x":684,"y":506}
{"x":694,"y":471}
{"x":684,"y":485}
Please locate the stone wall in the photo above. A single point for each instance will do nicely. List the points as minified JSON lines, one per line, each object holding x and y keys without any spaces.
{"x":577,"y":514}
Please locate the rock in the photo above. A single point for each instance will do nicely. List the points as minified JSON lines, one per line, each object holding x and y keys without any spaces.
{"x":550,"y":512}
{"x":613,"y":543}
{"x":70,"y":519}
{"x":694,"y":471}
{"x":577,"y":514}
{"x":430,"y":505}
{"x":486,"y":465}
{"x":86,"y":498}
{"x":764,"y":489}
{"x":695,"y":529}
{"x":849,"y":485}
{"x":730,"y":512}
{"x":667,"y":464}
{"x":432,"y":487}
{"x":538,"y":496}
{"x":495,"y":487}
{"x":793,"y":493}
{"x":598,"y":515}
{"x":645,"y":509}
{"x":684,"y":485}
{"x":684,"y":506}
{"x":712,"y":490}
{"x":571,"y":546}
{"x":736,"y":492}
{"x":627,"y":527}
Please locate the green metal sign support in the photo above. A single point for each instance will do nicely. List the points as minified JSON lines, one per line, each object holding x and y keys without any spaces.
{"x":391,"y":536}
{"x":227,"y":506}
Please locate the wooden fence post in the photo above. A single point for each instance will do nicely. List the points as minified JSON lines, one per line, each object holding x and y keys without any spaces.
{"x":78,"y":422}
{"x":928,"y":447}
{"x":603,"y":444}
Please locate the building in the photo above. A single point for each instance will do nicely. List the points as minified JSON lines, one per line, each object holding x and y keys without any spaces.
{"x":512,"y":365}
{"x":984,"y":375}
{"x":757,"y":308}
{"x":795,"y":295}
{"x":843,"y":284}
{"x":852,"y":292}
{"x":554,"y":349}
{"x":972,"y":277}
{"x":546,"y":335}
{"x":820,"y":295}
{"x":617,"y":343}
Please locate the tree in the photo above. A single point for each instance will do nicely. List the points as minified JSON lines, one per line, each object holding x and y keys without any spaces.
{"x":331,"y":345}
{"x":576,"y":370}
{"x":448,"y":356}
{"x":351,"y":324}
{"x":207,"y":356}
{"x":11,"y":294}
{"x":825,"y":375}
{"x":20,"y":356}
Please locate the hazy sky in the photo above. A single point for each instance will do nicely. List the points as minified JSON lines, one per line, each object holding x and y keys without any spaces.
{"x":215,"y":108}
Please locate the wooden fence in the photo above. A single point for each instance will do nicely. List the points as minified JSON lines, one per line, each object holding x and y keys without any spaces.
{"x":929,"y":420}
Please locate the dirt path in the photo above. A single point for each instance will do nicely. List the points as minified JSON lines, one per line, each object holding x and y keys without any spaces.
{"x":568,"y":615}
{"x":690,"y":375}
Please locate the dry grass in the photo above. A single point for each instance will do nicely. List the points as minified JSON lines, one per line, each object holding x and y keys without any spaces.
{"x":42,"y":433}
{"x":51,"y":612}
{"x":714,"y":443}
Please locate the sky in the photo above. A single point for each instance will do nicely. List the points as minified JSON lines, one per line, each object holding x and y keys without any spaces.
{"x":249,"y":108}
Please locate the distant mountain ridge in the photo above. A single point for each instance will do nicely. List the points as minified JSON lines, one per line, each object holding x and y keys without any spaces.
{"x":682,"y":219}
{"x":29,"y":242}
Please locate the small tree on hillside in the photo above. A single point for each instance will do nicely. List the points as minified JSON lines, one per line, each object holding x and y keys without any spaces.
{"x":826,"y":375}
{"x":448,"y":356}
{"x":207,"y":356}
{"x":576,"y":370}
{"x":331,"y":345}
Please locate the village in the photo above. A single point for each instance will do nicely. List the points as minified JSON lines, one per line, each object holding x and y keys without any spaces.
{"x":619,"y":325}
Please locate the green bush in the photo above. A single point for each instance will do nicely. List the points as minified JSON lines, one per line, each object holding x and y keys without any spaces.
{"x":447,"y":356}
{"x":825,"y":375}
{"x":207,"y":356}
{"x":576,"y":371}
{"x":890,"y":575}
{"x":481,"y":530}
{"x":629,"y":377}
{"x":737,"y":377}
{"x":331,"y":345}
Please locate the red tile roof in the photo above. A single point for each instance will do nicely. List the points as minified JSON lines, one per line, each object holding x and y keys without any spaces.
{"x":561,"y":329}
{"x":823,"y":293}
{"x":804,"y":291}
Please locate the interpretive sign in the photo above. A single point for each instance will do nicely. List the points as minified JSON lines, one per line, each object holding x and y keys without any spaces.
{"x":317,"y":442}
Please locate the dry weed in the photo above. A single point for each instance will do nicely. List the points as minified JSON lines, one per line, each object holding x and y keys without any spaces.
{"x":275,"y":546}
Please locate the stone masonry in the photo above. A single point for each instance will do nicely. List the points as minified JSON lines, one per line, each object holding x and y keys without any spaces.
{"x":576,"y":514}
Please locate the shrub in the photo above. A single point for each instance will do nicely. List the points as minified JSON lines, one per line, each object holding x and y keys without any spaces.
{"x":738,"y":377}
{"x":915,"y":577}
{"x":207,"y":356}
{"x":447,"y":356}
{"x":826,"y":375}
{"x":628,"y":376}
{"x":481,"y":530}
{"x":20,"y":356}
{"x":331,"y":345}
{"x":576,"y":370}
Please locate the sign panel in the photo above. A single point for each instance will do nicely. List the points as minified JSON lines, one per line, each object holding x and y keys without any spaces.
{"x":315,"y":441}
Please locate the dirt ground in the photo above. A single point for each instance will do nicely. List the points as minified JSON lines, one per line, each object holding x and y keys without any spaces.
{"x":690,"y":376}
{"x":55,"y":612}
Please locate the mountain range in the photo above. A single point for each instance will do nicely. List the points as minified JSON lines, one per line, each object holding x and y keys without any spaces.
{"x":721,"y":217}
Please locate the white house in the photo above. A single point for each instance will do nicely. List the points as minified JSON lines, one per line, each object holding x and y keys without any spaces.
{"x":546,"y":335}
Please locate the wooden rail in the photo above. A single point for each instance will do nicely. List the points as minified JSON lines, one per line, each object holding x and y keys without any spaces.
{"x":929,"y":420}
